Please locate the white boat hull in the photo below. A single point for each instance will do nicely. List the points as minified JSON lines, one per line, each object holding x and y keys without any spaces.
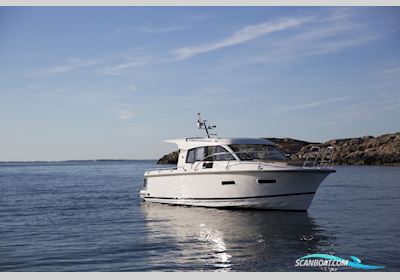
{"x":272,"y":189}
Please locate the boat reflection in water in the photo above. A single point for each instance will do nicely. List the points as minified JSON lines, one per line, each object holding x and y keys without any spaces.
{"x":207,"y":239}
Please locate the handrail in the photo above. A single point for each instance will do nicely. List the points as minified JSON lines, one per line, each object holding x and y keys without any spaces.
{"x":264,"y":154}
{"x":329,"y":151}
{"x":313,"y":149}
{"x":213,"y":154}
{"x":325,"y":155}
{"x":240,"y":159}
{"x":160,"y":169}
{"x":201,"y":139}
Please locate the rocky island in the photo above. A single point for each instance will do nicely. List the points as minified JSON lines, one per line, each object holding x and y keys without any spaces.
{"x":367,"y":150}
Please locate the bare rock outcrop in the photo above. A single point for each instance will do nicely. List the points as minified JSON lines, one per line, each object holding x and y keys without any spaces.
{"x":171,"y":158}
{"x":367,"y":150}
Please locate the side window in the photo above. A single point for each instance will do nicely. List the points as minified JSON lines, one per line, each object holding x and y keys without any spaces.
{"x":200,"y":153}
{"x":222,"y":154}
{"x":274,"y":154}
{"x":190,"y":156}
{"x":205,"y":153}
{"x":210,"y":153}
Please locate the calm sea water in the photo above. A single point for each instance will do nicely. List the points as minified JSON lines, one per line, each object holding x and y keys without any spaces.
{"x":87,"y":216}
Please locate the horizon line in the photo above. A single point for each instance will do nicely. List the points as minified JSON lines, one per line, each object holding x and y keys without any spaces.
{"x":153,"y":159}
{"x":70,"y":160}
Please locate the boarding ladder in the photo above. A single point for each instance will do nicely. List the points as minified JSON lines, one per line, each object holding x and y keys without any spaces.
{"x":317,"y":157}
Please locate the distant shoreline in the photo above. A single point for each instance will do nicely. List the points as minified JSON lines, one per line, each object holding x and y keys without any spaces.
{"x":383,"y":150}
{"x":74,"y":160}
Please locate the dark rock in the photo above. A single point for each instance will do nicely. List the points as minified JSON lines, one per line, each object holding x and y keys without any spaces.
{"x":171,"y":158}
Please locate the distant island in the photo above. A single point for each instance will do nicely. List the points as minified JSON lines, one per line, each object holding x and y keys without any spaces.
{"x":367,"y":150}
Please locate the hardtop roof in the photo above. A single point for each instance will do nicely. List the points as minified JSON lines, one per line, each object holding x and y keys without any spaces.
{"x":189,"y":143}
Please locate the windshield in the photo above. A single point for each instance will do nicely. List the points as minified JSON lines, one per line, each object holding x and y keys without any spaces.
{"x":257,"y":152}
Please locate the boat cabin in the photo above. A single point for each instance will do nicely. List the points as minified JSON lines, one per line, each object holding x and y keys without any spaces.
{"x":214,"y":151}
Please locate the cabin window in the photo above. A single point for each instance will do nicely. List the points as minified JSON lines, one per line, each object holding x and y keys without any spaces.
{"x":222,"y":154}
{"x":201,"y":153}
{"x":190,"y":156}
{"x":274,"y":153}
{"x":257,"y":152}
{"x":210,"y":153}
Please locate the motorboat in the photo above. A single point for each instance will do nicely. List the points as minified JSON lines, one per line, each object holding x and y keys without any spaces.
{"x":236,"y":172}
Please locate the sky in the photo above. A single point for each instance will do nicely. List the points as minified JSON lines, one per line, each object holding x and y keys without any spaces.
{"x":115,"y":82}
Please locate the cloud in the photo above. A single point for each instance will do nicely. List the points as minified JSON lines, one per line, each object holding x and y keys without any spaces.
{"x":290,"y":108}
{"x":202,"y":17}
{"x":162,"y":29}
{"x":318,"y":44}
{"x":329,"y":33}
{"x":364,"y":109}
{"x":385,"y":80}
{"x":115,"y":33}
{"x":123,"y":114}
{"x":242,"y":35}
{"x":391,"y":71}
{"x":70,"y":65}
{"x":113,"y":64}
{"x":198,"y":17}
{"x":120,"y":62}
{"x":315,"y":34}
{"x":116,"y":69}
{"x":132,"y":88}
{"x":145,"y":29}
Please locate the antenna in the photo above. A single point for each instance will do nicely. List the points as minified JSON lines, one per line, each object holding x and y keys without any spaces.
{"x":202,"y":124}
